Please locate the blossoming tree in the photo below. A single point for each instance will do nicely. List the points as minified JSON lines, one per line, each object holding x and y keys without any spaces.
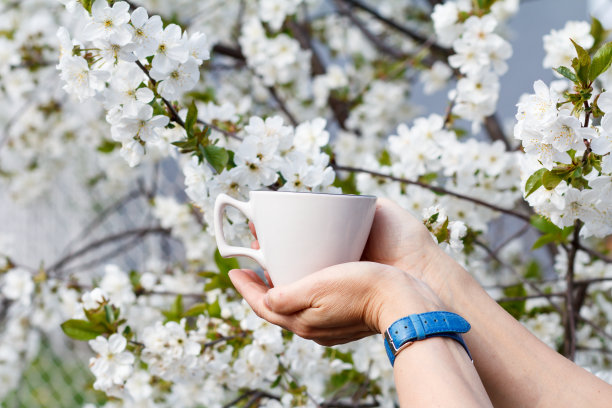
{"x":299,"y":95}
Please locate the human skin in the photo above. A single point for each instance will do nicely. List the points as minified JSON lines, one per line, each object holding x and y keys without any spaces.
{"x":353,"y":300}
{"x":516,"y":369}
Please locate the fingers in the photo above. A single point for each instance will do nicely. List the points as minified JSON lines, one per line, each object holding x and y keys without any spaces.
{"x":253,"y":290}
{"x":288,"y":299}
{"x":252,"y":228}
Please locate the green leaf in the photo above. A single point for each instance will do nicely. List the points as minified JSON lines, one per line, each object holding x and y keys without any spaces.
{"x":433,"y":218}
{"x":579,"y":183}
{"x":214,"y":309}
{"x":86,"y":4}
{"x":221,"y":280}
{"x":545,"y":239}
{"x":216,"y":156}
{"x":108,"y":146}
{"x":190,"y":121}
{"x":385,"y":158}
{"x":567,"y":231}
{"x":550,"y":180}
{"x":348,"y":185}
{"x":534,"y":271}
{"x":442,"y":232}
{"x":175,"y":312}
{"x":225,"y":264}
{"x":82,"y":329}
{"x":276,"y":382}
{"x":516,"y":307}
{"x":110,"y":316}
{"x":581,"y":64}
{"x":534,"y":182}
{"x":544,"y":225}
{"x":566,"y":72}
{"x":207,"y":95}
{"x":601,"y":61}
{"x":197,"y":309}
{"x":597,"y":32}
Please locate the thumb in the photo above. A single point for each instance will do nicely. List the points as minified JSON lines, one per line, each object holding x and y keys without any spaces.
{"x":287,"y":299}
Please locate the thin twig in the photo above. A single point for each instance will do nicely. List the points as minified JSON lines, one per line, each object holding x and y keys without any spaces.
{"x":569,"y":342}
{"x":120,"y":249}
{"x":227,"y":133}
{"x":173,"y":114}
{"x":435,"y":189}
{"x":140,"y":232}
{"x":282,"y":105}
{"x":97,"y":221}
{"x":526,"y":297}
{"x":511,"y":238}
{"x":594,"y":253}
{"x":495,"y":131}
{"x":339,"y":108}
{"x":596,"y":327}
{"x":518,"y":275}
{"x":377,"y":42}
{"x":436,"y":49}
{"x":223,"y":339}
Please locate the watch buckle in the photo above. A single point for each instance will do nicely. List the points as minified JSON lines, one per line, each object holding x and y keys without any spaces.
{"x":395,"y":349}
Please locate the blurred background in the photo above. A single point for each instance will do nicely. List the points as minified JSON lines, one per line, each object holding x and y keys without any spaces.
{"x":42,"y":231}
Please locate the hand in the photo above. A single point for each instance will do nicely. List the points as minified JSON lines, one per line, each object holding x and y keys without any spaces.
{"x":400,"y":240}
{"x":338,"y":304}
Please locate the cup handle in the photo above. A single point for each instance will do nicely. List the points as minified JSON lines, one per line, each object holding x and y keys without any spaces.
{"x":225,"y":249}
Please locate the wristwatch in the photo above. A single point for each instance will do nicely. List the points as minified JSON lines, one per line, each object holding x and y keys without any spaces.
{"x":405,"y":331}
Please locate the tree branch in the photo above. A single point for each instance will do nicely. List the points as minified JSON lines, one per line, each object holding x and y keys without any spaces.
{"x":97,"y":221}
{"x":594,"y":253}
{"x":536,"y":296}
{"x":519,"y":276}
{"x":495,"y":131}
{"x":378,"y":43}
{"x":569,"y":341}
{"x":440,"y":52}
{"x":435,"y":189}
{"x":139,"y":232}
{"x":282,"y":106}
{"x":339,"y":108}
{"x":173,"y":114}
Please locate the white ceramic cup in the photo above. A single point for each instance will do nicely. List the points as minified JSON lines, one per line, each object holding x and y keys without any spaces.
{"x":300,"y":233}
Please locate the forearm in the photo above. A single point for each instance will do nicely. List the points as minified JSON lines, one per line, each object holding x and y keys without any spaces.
{"x":438,"y":373}
{"x":515,"y":367}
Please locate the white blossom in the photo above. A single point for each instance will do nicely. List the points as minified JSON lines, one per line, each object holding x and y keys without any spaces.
{"x":112,"y":365}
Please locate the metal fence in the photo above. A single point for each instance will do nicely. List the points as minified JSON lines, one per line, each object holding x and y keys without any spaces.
{"x":65,"y":220}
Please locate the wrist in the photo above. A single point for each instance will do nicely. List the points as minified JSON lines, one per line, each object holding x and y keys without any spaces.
{"x":400,"y":295}
{"x":443,"y":275}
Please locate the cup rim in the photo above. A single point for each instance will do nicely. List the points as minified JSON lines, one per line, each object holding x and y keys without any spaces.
{"x":311,"y":193}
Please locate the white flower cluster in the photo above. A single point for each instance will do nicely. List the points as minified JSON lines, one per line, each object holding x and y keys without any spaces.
{"x":184,"y":225}
{"x":112,"y":365}
{"x":559,"y":49}
{"x":277,"y":60}
{"x":17,"y":285}
{"x":102,"y":60}
{"x":170,"y":352}
{"x":269,"y":149}
{"x":456,"y":229}
{"x":480,"y":55}
{"x":549,"y":135}
{"x":383,"y":104}
{"x":486,"y":170}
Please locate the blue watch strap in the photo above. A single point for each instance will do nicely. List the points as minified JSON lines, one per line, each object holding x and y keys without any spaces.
{"x":409,"y":329}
